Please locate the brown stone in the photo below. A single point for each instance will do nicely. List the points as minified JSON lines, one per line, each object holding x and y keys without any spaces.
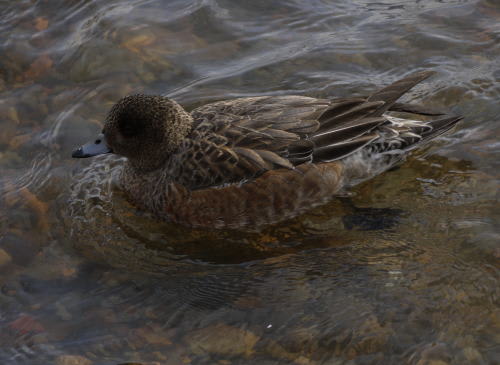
{"x":222,"y":339}
{"x":40,"y":208}
{"x":41,"y":23}
{"x":72,"y":360}
{"x":137,"y":42}
{"x":433,"y":362}
{"x":5,"y":258}
{"x":20,"y":140}
{"x":154,"y":337}
{"x":25,"y":324}
{"x":473,"y":355}
{"x":39,"y":67}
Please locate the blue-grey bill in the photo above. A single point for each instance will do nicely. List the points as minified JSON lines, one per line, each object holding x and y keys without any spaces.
{"x":97,"y":147}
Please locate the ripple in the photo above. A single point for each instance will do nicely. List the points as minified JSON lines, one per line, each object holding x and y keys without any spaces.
{"x":404,"y":270}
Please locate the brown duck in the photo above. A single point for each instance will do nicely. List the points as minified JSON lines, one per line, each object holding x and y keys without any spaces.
{"x":258,"y":160}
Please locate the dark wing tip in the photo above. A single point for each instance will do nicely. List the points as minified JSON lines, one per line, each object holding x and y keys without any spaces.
{"x":343,"y":149}
{"x":440,"y":126}
{"x":391,"y":93}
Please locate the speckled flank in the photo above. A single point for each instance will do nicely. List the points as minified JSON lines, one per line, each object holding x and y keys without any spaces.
{"x":276,"y":195}
{"x":259,"y":160}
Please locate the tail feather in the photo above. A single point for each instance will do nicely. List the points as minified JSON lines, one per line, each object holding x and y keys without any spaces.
{"x":415,"y":109}
{"x":361,"y":127}
{"x":440,"y":126}
{"x":390,"y":94}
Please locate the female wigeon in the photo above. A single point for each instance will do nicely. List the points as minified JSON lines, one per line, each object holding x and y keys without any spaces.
{"x":257,"y":160}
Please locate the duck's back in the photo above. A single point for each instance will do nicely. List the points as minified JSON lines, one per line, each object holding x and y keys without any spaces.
{"x":252,"y":161}
{"x":236,"y":140}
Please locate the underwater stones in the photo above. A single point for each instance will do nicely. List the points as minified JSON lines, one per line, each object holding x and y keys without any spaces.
{"x":434,"y":353}
{"x":20,"y":53}
{"x":472,"y":355}
{"x":60,"y":266}
{"x":154,"y":335}
{"x":62,"y":312}
{"x":98,"y":61}
{"x":41,"y":23}
{"x":138,"y":42}
{"x":275,"y":350}
{"x":39,"y":207}
{"x":38,"y":68}
{"x":26,"y":324}
{"x":33,"y":102}
{"x":20,"y":249}
{"x":8,"y":112}
{"x":18,"y":198}
{"x":11,"y":115}
{"x":61,"y":98}
{"x":20,"y":140}
{"x":72,"y":360}
{"x":221,"y":339}
{"x":5,"y":258}
{"x":416,"y":307}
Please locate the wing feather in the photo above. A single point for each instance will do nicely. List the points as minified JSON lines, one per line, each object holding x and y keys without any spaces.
{"x":239,"y":139}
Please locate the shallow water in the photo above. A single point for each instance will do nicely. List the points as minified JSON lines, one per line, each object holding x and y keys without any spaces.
{"x":403,"y":270}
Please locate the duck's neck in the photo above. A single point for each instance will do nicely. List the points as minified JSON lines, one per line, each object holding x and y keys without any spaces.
{"x":141,"y":166}
{"x":145,"y":187}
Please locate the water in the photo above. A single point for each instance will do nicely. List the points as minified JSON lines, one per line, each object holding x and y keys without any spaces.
{"x":404,"y":270}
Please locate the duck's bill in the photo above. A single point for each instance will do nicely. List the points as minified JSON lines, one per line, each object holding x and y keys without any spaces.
{"x":97,"y":147}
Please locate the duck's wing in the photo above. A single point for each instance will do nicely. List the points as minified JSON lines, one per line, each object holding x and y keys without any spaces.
{"x":350,"y":124}
{"x":239,"y":139}
{"x":236,"y":140}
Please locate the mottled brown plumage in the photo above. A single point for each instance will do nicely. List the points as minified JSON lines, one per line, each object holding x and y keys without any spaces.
{"x":258,"y":160}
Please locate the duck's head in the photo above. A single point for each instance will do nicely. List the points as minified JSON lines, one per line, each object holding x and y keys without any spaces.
{"x":144,"y":128}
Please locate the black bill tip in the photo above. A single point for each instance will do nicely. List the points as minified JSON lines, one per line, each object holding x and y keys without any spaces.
{"x":78,"y":153}
{"x":97,"y":147}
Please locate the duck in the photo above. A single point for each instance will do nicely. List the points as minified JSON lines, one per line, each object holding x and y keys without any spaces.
{"x":255,"y":161}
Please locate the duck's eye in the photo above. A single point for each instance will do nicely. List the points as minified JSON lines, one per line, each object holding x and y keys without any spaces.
{"x":131,"y":129}
{"x":97,"y":141}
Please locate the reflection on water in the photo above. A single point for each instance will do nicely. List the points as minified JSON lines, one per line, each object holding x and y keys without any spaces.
{"x":403,"y":269}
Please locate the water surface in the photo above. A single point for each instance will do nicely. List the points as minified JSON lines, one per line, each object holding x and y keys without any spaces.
{"x":402,"y":270}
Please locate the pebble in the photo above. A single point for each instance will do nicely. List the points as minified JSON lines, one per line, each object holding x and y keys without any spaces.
{"x":62,"y":312}
{"x":138,"y":42}
{"x":21,"y":249}
{"x":234,"y":341}
{"x":5,"y":258}
{"x":8,"y":112}
{"x":154,"y":336}
{"x":434,"y":354}
{"x":26,"y":324}
{"x":275,"y":350}
{"x":98,"y":61}
{"x":38,"y":67}
{"x":473,"y":355}
{"x":40,"y":338}
{"x":12,"y":115}
{"x":72,"y":360}
{"x":41,"y":23}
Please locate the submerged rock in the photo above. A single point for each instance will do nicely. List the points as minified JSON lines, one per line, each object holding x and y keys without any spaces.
{"x":5,"y":258}
{"x":221,"y":339}
{"x":72,"y":360}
